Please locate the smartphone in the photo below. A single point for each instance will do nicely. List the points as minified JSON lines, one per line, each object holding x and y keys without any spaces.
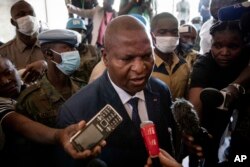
{"x":97,"y":129}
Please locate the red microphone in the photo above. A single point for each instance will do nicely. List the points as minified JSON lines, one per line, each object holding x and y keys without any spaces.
{"x":151,"y":141}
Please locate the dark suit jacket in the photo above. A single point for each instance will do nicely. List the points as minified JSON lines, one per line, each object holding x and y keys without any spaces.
{"x":125,"y":145}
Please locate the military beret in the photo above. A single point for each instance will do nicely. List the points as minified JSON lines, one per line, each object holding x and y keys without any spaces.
{"x":76,"y":23}
{"x":69,"y":37}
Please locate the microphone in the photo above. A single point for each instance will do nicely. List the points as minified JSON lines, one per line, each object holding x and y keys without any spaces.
{"x":151,"y":141}
{"x":233,"y":12}
{"x":189,"y":123}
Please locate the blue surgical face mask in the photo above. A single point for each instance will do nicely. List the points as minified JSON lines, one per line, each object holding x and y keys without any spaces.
{"x":70,"y":62}
{"x":186,"y":47}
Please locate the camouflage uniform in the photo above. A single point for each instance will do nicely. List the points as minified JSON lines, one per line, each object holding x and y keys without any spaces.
{"x":41,"y":101}
{"x":89,"y":58}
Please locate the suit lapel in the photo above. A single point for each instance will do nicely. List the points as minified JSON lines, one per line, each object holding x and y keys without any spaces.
{"x":152,"y":103}
{"x":111,"y":97}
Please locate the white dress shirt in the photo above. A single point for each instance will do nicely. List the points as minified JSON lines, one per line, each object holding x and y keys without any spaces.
{"x":125,"y":97}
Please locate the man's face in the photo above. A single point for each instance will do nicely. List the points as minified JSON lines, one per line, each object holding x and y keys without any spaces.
{"x":188,"y":37}
{"x":130,"y":60}
{"x":166,"y":27}
{"x":226,"y":47}
{"x":10,"y":82}
{"x":59,"y":48}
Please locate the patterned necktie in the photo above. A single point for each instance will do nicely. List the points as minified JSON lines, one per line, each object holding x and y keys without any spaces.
{"x":135,"y":115}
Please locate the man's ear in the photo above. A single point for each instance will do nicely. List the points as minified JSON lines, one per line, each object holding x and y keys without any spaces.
{"x":153,"y":38}
{"x":48,"y":54}
{"x":14,"y":23}
{"x":104,"y":56}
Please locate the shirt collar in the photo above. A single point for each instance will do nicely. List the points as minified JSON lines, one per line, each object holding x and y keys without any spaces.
{"x":22,"y":46}
{"x":159,"y":61}
{"x":124,"y":96}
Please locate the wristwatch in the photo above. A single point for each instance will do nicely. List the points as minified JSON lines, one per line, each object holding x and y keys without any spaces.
{"x":240,"y":88}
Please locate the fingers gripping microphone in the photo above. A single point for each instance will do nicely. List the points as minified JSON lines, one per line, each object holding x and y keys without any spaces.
{"x":233,"y":12}
{"x":188,"y":122}
{"x":151,"y":141}
{"x":186,"y":116}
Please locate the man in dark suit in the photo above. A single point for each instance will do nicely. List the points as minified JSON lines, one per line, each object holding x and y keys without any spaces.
{"x":129,"y":59}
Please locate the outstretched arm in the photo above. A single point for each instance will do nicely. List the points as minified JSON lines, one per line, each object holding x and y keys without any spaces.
{"x":46,"y":135}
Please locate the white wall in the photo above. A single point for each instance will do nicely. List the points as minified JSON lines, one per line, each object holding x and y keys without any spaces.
{"x":7,"y":31}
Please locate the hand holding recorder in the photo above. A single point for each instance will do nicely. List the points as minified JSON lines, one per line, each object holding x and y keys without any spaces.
{"x":97,"y":129}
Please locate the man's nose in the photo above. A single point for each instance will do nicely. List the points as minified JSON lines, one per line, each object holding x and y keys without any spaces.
{"x":138,"y":66}
{"x":225,"y":51}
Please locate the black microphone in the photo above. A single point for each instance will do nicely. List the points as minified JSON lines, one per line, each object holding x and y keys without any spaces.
{"x":151,"y":141}
{"x":189,"y":123}
{"x":233,"y":12}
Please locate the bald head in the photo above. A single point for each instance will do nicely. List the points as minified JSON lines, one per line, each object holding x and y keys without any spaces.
{"x":120,"y":25}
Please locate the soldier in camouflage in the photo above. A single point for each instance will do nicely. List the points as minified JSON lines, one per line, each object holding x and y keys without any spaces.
{"x":89,"y":54}
{"x":41,"y":100}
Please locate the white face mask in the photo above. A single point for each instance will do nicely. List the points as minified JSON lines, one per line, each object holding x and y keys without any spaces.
{"x":166,"y":44}
{"x":27,"y":25}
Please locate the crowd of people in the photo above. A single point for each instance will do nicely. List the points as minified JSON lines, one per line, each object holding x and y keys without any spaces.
{"x":54,"y":81}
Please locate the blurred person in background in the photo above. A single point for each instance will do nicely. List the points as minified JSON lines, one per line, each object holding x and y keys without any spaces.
{"x":101,"y":17}
{"x":185,"y":49}
{"x":204,"y":10}
{"x":24,"y":51}
{"x":88,"y":53}
{"x":146,"y":8}
{"x":205,"y":37}
{"x":183,"y":11}
{"x":197,"y":23}
{"x":84,"y":4}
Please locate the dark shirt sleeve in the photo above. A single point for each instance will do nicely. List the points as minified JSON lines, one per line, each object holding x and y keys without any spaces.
{"x":6,"y":105}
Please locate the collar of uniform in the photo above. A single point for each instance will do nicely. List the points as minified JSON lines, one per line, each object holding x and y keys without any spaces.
{"x":124,"y":96}
{"x":159,"y":61}
{"x":51,"y":91}
{"x":22,"y":46}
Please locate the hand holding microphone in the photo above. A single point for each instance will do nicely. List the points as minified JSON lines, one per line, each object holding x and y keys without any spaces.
{"x":166,"y":160}
{"x":188,"y":122}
